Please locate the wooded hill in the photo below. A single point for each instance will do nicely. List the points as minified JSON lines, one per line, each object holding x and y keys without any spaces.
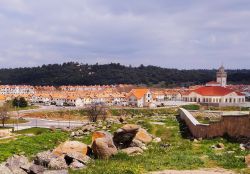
{"x":83,"y":74}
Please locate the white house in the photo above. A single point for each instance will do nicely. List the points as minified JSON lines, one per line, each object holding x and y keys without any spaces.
{"x":140,"y":97}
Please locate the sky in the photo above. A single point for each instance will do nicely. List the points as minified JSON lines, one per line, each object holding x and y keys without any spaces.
{"x":183,"y":34}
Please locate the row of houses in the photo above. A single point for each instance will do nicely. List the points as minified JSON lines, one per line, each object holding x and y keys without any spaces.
{"x":214,"y":92}
{"x":137,"y":97}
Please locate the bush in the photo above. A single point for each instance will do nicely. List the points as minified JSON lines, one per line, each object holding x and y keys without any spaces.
{"x":22,"y":103}
{"x":191,"y":107}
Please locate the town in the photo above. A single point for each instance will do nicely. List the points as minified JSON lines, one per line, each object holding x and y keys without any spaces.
{"x":214,"y":93}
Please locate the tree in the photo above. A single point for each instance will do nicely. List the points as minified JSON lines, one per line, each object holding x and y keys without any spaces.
{"x":4,"y":114}
{"x":22,"y":103}
{"x":95,"y":111}
{"x":104,"y":113}
{"x":15,"y":102}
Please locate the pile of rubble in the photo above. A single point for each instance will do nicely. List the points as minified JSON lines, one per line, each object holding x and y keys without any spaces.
{"x":130,"y":139}
{"x":92,"y":127}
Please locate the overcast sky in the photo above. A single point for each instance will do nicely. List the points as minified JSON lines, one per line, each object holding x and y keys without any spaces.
{"x":167,"y":33}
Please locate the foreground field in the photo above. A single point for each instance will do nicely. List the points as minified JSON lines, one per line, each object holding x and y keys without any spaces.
{"x":175,"y":152}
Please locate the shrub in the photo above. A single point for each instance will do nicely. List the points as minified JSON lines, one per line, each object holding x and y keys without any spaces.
{"x":191,"y":107}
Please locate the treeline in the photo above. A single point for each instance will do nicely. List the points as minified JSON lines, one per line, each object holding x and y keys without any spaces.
{"x":83,"y":74}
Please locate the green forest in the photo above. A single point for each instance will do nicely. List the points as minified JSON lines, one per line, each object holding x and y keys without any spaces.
{"x":73,"y":73}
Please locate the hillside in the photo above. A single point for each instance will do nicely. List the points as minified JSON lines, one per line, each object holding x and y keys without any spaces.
{"x":83,"y":74}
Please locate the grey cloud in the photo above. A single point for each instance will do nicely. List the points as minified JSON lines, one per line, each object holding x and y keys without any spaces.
{"x":180,"y":34}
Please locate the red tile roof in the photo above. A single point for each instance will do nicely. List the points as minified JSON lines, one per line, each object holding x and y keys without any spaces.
{"x":214,"y":91}
{"x":139,"y":93}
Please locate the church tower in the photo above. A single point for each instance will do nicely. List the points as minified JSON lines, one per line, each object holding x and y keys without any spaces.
{"x":222,"y":76}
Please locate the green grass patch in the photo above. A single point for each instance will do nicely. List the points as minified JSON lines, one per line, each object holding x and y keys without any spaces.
{"x":30,"y":146}
{"x":35,"y":131}
{"x":191,"y":107}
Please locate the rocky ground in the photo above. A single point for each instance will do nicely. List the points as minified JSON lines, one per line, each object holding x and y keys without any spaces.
{"x":130,"y":139}
{"x":110,"y":138}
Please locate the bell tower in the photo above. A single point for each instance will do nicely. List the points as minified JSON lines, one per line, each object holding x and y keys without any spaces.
{"x":222,"y":76}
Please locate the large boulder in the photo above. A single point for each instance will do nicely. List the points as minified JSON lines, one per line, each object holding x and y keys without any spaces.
{"x":125,"y":135}
{"x":56,"y":172}
{"x":132,"y":151}
{"x":58,"y":163}
{"x":4,"y":169}
{"x":247,"y":160}
{"x":77,"y":165}
{"x":103,"y":147}
{"x":18,"y":171}
{"x":70,"y":157}
{"x":36,"y":169}
{"x":16,"y":161}
{"x":26,"y":167}
{"x":102,"y":134}
{"x":43,"y":158}
{"x":69,"y":147}
{"x":143,"y":136}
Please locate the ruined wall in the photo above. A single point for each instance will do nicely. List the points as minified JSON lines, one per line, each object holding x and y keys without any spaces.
{"x":234,"y":126}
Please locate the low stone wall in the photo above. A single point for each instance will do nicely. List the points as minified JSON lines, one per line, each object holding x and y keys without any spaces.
{"x":234,"y":126}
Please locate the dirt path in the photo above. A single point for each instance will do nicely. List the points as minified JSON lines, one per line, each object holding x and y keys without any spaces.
{"x":201,"y":171}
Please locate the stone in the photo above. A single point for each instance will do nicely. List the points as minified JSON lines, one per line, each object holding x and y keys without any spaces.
{"x":136,"y":143}
{"x":81,"y":132}
{"x":88,"y":128}
{"x":144,"y":147}
{"x":242,"y":147}
{"x":72,"y":134}
{"x":247,"y":146}
{"x":124,"y":136}
{"x":36,"y":169}
{"x":102,"y":134}
{"x":26,"y":167}
{"x":16,"y":162}
{"x":247,"y":160}
{"x":143,"y":136}
{"x":56,"y":172}
{"x":58,"y":163}
{"x":77,"y":165}
{"x":43,"y":158}
{"x":157,"y":140}
{"x":104,"y":127}
{"x":103,"y":148}
{"x":18,"y":171}
{"x":4,"y":169}
{"x":130,"y":128}
{"x":195,"y":141}
{"x":77,"y":133}
{"x":132,"y":151}
{"x":70,"y":157}
{"x":70,"y":146}
{"x":220,"y":146}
